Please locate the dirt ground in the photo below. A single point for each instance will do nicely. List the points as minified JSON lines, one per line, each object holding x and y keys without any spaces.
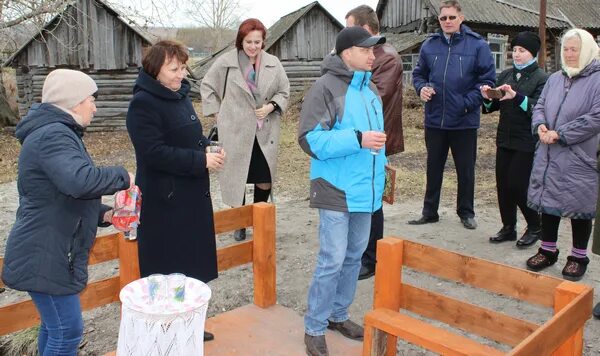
{"x":297,"y":243}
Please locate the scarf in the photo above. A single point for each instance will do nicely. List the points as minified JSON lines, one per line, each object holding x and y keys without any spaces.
{"x":523,"y":66}
{"x":250,"y":74}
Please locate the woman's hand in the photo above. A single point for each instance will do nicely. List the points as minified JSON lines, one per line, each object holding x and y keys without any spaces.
{"x":215,"y":160}
{"x":509,"y":93}
{"x":483,"y":89}
{"x":107,"y":217}
{"x":373,"y":140}
{"x":131,"y":180}
{"x":550,"y":137}
{"x":264,"y":111}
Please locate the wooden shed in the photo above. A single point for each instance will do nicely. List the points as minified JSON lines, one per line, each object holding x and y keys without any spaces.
{"x":88,"y":36}
{"x":300,"y":39}
{"x":497,"y":20}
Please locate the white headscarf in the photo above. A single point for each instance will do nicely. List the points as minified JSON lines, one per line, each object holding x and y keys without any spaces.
{"x":589,"y":50}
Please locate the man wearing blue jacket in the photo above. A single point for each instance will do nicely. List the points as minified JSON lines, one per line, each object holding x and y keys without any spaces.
{"x":453,"y":64}
{"x":341,"y":128}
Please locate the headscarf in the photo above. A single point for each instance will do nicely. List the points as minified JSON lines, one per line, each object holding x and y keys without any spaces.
{"x":589,"y":51}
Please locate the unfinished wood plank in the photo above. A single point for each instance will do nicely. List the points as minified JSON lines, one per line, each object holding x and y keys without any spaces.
{"x":21,"y":315}
{"x":495,"y":277}
{"x":100,"y":293}
{"x":563,"y":295}
{"x":472,"y":318}
{"x":388,"y":283}
{"x":104,"y":249}
{"x":234,"y":255}
{"x":129,"y":266}
{"x":561,"y":327}
{"x":263,"y":253}
{"x":426,"y":335}
{"x":233,"y":219}
{"x":17,"y":316}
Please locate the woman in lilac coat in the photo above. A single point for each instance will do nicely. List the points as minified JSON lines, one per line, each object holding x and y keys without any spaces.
{"x":564,"y":179}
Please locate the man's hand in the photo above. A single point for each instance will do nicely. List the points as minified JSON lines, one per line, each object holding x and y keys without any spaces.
{"x":426,"y":93}
{"x":373,"y":139}
{"x":215,"y":160}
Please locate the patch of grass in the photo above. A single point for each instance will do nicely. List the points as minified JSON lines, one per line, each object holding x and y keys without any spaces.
{"x":21,"y":343}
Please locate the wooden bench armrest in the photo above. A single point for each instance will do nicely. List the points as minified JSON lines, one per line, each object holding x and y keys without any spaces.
{"x":423,"y":334}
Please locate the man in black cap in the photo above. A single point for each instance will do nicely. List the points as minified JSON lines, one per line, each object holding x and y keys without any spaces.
{"x":341,"y":128}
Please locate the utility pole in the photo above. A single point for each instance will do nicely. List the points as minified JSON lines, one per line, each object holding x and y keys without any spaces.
{"x":542,"y":52}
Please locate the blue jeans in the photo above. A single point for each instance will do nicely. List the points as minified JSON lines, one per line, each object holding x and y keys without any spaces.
{"x":343,"y":239}
{"x":62,"y":325}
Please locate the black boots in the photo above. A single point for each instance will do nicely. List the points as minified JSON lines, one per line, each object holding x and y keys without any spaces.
{"x":530,"y":237}
{"x":507,"y":233}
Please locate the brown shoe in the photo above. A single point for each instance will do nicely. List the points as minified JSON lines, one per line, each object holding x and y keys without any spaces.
{"x":348,"y":328}
{"x":575,"y":268}
{"x":315,"y":345}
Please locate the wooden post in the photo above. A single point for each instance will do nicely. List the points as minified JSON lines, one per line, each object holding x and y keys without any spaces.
{"x":263,"y":255}
{"x":542,"y":51}
{"x":129,"y":267}
{"x":388,"y":289}
{"x":563,"y":295}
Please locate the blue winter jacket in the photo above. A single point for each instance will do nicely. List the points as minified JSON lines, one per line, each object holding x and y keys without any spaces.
{"x":343,"y":175}
{"x":59,"y":205}
{"x":457,"y":69}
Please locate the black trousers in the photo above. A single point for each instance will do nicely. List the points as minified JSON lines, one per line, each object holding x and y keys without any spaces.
{"x":580,"y":228}
{"x":369,"y":257}
{"x":463,"y":145}
{"x":513,"y":169}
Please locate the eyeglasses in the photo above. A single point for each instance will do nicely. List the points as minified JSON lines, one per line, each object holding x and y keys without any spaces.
{"x":444,"y":18}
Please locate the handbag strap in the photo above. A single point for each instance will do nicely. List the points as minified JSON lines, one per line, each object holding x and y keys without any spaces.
{"x":225,"y":85}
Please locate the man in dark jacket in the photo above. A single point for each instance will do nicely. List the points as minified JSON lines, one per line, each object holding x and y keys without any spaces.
{"x":453,"y":64}
{"x":387,"y":77}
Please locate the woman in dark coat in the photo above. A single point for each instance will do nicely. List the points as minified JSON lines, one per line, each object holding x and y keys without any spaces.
{"x":176,"y":232}
{"x":521,"y":87}
{"x":564,"y":178}
{"x":59,"y":208}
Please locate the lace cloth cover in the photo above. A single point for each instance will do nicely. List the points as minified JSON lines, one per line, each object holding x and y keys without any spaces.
{"x":167,"y":328}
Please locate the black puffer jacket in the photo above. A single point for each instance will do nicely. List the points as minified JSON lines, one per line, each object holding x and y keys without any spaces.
{"x":514,"y":128}
{"x":59,"y":205}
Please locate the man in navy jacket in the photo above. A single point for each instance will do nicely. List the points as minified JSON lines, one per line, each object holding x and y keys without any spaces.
{"x":453,"y":64}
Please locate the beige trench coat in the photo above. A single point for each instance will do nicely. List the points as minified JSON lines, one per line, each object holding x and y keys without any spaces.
{"x":236,"y":119}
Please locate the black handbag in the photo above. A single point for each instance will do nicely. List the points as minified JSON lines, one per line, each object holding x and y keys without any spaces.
{"x":213,"y":134}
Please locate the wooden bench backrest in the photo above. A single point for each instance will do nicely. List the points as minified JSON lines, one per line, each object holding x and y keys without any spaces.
{"x":260,"y":251}
{"x":572,"y":302}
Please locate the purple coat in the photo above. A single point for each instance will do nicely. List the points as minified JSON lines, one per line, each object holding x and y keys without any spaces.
{"x":564,"y":179}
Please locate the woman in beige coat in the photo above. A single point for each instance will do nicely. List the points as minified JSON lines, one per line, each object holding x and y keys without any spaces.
{"x":248,"y":90}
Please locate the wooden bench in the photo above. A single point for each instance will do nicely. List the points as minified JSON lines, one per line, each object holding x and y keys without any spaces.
{"x":561,"y":335}
{"x":257,"y":329}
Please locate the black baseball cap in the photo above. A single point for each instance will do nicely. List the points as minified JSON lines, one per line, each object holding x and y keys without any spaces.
{"x":355,"y":36}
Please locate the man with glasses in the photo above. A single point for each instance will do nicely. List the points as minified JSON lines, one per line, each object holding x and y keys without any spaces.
{"x":453,"y":64}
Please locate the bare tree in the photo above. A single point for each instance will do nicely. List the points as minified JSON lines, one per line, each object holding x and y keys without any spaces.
{"x":217,"y":15}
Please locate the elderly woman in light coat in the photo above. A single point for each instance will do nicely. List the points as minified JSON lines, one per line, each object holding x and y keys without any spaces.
{"x":247,"y":89}
{"x":564,"y":179}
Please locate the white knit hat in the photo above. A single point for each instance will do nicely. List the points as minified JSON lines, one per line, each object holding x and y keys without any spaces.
{"x":66,"y":88}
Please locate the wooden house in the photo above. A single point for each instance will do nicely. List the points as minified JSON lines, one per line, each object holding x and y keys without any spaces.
{"x":300,"y":40}
{"x":405,"y":21}
{"x":88,"y":36}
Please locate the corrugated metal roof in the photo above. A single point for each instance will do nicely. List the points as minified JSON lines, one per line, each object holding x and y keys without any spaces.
{"x":521,"y":13}
{"x":404,"y":41}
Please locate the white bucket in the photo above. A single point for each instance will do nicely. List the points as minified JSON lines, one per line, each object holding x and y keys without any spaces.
{"x":167,"y":328}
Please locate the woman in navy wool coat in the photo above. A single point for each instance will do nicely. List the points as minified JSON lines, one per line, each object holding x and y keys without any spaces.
{"x":176,"y":232}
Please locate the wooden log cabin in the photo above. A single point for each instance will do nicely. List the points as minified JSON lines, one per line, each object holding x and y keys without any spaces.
{"x":300,"y":39}
{"x":88,"y":36}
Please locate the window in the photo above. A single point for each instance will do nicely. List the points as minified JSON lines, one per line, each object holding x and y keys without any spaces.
{"x":497,"y":45}
{"x":409,"y":61}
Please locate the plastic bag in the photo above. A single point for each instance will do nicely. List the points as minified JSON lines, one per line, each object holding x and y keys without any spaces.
{"x":126,"y":211}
